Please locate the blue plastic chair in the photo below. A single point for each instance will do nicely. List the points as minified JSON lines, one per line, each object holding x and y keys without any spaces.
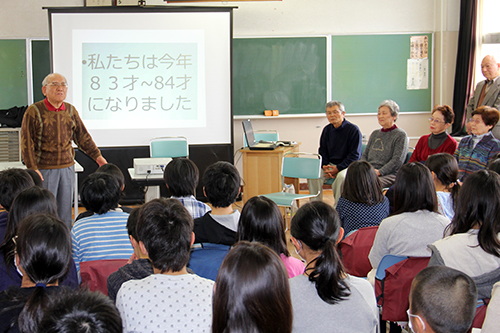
{"x":296,"y":165}
{"x":267,"y":135}
{"x":205,"y":260}
{"x":169,"y":147}
{"x":387,"y":261}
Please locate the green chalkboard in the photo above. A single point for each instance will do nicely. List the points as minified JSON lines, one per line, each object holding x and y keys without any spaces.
{"x":367,"y":69}
{"x":285,"y":74}
{"x":40,"y":64}
{"x":13,"y":84}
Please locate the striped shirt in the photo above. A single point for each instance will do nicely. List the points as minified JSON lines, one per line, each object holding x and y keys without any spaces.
{"x":472,"y":157}
{"x":194,"y":207}
{"x":101,"y":237}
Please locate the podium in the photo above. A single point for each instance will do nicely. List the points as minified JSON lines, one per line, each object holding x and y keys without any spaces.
{"x":262,"y":171}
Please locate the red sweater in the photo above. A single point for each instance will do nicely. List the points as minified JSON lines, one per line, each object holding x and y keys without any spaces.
{"x":422,"y":150}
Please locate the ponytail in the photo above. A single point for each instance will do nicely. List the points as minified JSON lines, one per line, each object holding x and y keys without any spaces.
{"x":328,"y":275}
{"x":33,"y":311}
{"x":317,"y":225}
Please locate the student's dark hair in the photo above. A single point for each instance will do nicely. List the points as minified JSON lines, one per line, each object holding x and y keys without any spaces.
{"x":165,"y":227}
{"x":445,"y":298}
{"x":13,"y":181}
{"x":252,"y":293}
{"x":132,"y":223}
{"x":33,"y":200}
{"x":317,"y":225}
{"x":261,"y":221}
{"x":494,"y":165}
{"x":362,"y":184}
{"x":445,"y":167}
{"x":222,"y":183}
{"x":100,"y":193}
{"x":80,"y":311}
{"x":36,"y":177}
{"x":478,"y":205}
{"x":44,"y":249}
{"x":113,"y":170}
{"x":181,"y":176}
{"x":414,"y":189}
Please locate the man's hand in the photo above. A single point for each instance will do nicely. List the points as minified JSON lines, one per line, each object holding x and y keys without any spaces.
{"x":101,"y":161}
{"x":39,"y":173}
{"x":330,"y":171}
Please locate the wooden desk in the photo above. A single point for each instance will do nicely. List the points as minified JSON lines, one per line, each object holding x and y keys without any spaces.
{"x":262,"y":171}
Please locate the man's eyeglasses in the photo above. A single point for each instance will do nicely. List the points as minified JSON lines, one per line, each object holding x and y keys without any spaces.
{"x":57,"y":84}
{"x":436,"y":121}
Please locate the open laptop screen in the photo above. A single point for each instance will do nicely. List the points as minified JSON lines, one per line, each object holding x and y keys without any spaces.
{"x":248,"y":129}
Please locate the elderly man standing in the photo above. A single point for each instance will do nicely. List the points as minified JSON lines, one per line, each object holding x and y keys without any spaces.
{"x":487,"y":92}
{"x":49,"y":126}
{"x":339,"y":145}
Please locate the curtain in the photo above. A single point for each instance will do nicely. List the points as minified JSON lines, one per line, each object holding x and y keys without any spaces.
{"x":464,"y":71}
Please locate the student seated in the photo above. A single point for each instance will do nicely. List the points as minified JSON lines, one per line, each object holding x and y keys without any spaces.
{"x":80,"y":311}
{"x":415,"y":222}
{"x":473,"y":244}
{"x":112,"y":170}
{"x":103,"y":235}
{"x":33,"y":200}
{"x":138,"y":269}
{"x":252,"y":292}
{"x":362,"y":203}
{"x":170,"y":299}
{"x":181,"y":178}
{"x":43,"y":256}
{"x":444,"y":169}
{"x":442,"y":300}
{"x":221,"y":183}
{"x":490,"y":324}
{"x":12,"y":181}
{"x":325,"y":298}
{"x":261,"y":221}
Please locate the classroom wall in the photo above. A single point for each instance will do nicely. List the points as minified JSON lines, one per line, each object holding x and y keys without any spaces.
{"x":26,"y":18}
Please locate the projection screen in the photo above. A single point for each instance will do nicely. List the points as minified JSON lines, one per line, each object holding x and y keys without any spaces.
{"x":138,"y":73}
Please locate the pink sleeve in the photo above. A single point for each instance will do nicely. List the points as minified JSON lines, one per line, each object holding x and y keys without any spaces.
{"x":293,"y":265}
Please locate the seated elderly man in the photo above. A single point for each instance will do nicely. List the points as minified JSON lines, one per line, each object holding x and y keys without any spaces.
{"x":339,"y":145}
{"x":386,"y":150}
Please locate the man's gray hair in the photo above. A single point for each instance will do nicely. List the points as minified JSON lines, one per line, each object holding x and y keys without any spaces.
{"x":46,"y":80}
{"x":393,"y":106}
{"x":335,"y":103}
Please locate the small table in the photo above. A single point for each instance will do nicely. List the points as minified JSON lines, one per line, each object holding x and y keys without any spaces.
{"x":152,"y":181}
{"x":262,"y":171}
{"x":78,"y":168}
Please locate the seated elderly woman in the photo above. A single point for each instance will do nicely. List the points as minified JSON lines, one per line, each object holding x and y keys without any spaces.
{"x":475,"y":151}
{"x":438,"y":141}
{"x":386,"y":150}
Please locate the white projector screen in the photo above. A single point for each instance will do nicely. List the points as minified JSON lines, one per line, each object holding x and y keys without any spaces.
{"x":139,"y":73}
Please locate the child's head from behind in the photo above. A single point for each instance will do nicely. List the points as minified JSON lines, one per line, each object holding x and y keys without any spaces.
{"x":261,"y":221}
{"x":362,"y":184}
{"x":442,"y":298}
{"x":113,"y":170}
{"x":181,"y":177}
{"x":221,"y":182}
{"x":165,"y":230}
{"x":252,"y":293}
{"x":13,"y":181}
{"x":100,"y":193}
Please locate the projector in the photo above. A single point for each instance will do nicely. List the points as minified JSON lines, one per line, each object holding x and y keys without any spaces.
{"x":151,"y":165}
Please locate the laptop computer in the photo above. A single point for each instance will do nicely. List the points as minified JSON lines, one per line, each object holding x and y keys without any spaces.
{"x":252,"y":144}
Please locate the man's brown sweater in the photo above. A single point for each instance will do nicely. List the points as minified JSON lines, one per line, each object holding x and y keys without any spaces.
{"x":46,"y":137}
